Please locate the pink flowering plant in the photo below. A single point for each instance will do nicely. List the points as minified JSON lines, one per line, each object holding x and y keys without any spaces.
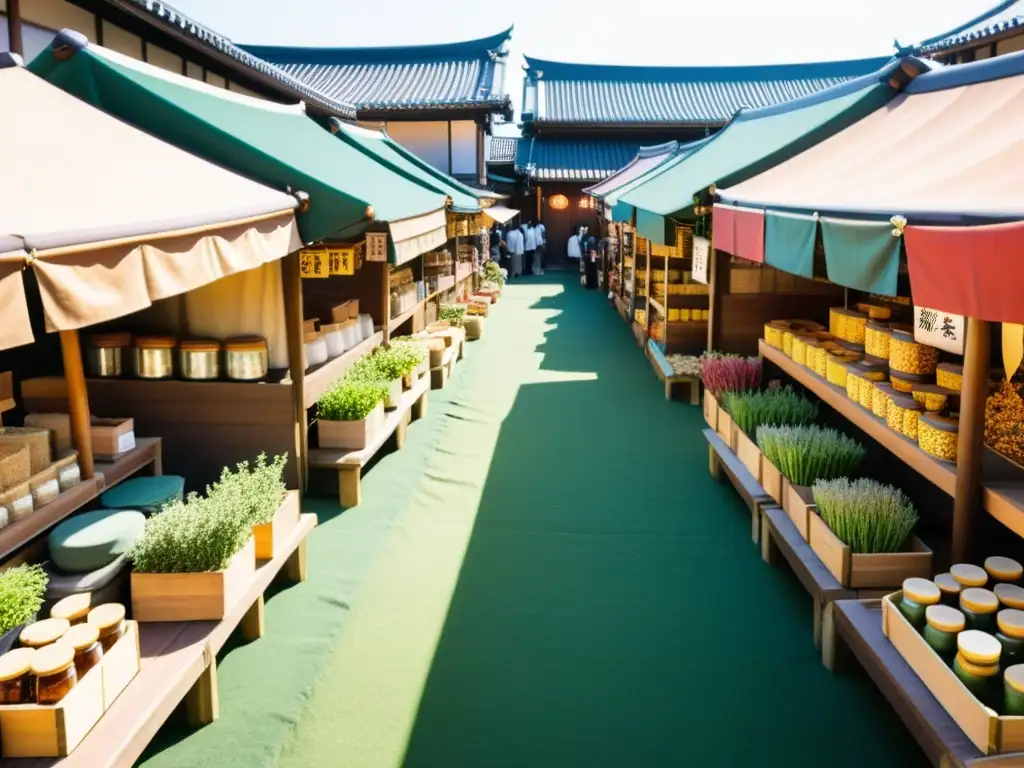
{"x":729,"y":373}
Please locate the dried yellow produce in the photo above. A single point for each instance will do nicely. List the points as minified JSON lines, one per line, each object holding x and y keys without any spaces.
{"x":902,"y":415}
{"x":908,"y":356}
{"x":937,"y":436}
{"x":1004,"y":422}
{"x":876,"y":340}
{"x":950,"y":376}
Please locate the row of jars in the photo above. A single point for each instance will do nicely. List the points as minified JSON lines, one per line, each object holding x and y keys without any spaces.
{"x":978,"y":631}
{"x":57,"y":652}
{"x":243,"y":358}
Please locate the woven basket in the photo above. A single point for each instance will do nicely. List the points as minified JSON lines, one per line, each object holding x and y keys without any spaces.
{"x":16,"y":503}
{"x":15,"y":466}
{"x":36,"y":440}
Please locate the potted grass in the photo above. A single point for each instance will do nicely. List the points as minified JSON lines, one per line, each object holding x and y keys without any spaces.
{"x":22,"y":589}
{"x":194,"y":560}
{"x":723,"y":373}
{"x":412,"y":359}
{"x":384,"y":367}
{"x":794,"y":457}
{"x":777,"y":407}
{"x":351,"y":413}
{"x":863,"y":534}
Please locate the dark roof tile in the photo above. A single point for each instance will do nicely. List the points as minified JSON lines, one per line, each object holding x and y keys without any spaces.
{"x":588,"y":160}
{"x":1009,"y":14}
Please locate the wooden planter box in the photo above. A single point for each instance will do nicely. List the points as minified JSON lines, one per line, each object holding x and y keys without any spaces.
{"x":772,"y":480}
{"x":31,"y":730}
{"x":353,"y":435}
{"x":394,"y":398}
{"x":710,"y":410}
{"x":268,"y":538}
{"x":726,"y":429}
{"x":798,"y":501}
{"x":193,"y":596}
{"x":868,"y":571}
{"x":990,"y":733}
{"x":748,"y":453}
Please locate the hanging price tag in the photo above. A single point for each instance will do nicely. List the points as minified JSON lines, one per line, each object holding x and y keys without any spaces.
{"x":342,"y":260}
{"x":376,"y":246}
{"x":701,"y":253}
{"x":313,"y":263}
{"x":942,"y":330}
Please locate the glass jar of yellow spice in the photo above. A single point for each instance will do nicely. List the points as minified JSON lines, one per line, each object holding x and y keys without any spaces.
{"x":949,"y":376}
{"x":881,"y":393}
{"x":876,"y":340}
{"x":17,"y":685}
{"x":909,"y":356}
{"x":902,"y":415}
{"x":85,"y":639}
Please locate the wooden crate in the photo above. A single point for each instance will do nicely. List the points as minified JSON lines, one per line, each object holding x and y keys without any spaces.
{"x":268,"y":538}
{"x":990,"y":733}
{"x":193,"y":596}
{"x":31,"y":730}
{"x":711,"y":410}
{"x":798,"y":502}
{"x":772,"y":480}
{"x":867,"y":571}
{"x":748,"y":453}
{"x":725,"y":429}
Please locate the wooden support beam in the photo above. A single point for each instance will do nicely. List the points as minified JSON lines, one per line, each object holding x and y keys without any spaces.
{"x":292,"y":281}
{"x":15,"y":44}
{"x":202,"y":702}
{"x":253,"y":626}
{"x":540,"y":202}
{"x":295,"y":567}
{"x":78,"y":400}
{"x":967,"y":499}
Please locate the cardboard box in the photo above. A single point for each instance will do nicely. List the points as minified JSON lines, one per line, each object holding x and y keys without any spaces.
{"x":347,"y":310}
{"x":112,"y":437}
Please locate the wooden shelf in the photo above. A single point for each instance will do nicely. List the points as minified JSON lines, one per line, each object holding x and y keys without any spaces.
{"x":463,"y":272}
{"x":320,"y":379}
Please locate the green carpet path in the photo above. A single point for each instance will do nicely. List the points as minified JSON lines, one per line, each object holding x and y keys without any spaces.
{"x":546,"y":575}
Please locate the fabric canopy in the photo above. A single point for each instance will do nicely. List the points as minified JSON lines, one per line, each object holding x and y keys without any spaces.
{"x":500,"y":213}
{"x":646,"y":159}
{"x":275,"y":144}
{"x":753,"y":141}
{"x":625,"y":212}
{"x":111,"y":219}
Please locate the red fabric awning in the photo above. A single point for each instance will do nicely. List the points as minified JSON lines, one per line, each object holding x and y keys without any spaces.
{"x":971,"y":271}
{"x":739,"y":231}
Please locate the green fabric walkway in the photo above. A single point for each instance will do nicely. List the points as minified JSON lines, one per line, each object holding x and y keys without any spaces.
{"x":546,"y":576}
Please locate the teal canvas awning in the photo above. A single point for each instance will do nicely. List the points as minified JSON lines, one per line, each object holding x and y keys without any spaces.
{"x":277,"y":145}
{"x":752,"y":142}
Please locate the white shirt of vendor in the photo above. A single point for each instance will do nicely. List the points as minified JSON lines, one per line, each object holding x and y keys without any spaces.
{"x":514,"y":242}
{"x":531,"y":239}
{"x":573,"y":249}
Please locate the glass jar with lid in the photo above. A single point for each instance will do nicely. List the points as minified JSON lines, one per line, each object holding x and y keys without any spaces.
{"x":246,"y":358}
{"x":43,"y":632}
{"x":1003,"y":570}
{"x":950,"y":589}
{"x":17,"y":685}
{"x":903,"y":414}
{"x":938,"y":436}
{"x":977,"y":665}
{"x":74,"y":608}
{"x":54,"y":669}
{"x":1010,"y":634}
{"x":881,"y":393}
{"x":918,"y":594}
{"x":109,"y":620}
{"x":980,"y":607}
{"x":1010,"y":596}
{"x":942,"y":625}
{"x":85,"y":639}
{"x":1013,"y":690}
{"x":153,"y":357}
{"x":969,"y":575}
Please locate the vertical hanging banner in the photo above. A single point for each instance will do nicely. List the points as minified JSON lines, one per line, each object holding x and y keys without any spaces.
{"x":942,"y":330}
{"x":376,"y":246}
{"x":342,"y":261}
{"x":1013,"y":348}
{"x":313,"y":263}
{"x":701,"y":257}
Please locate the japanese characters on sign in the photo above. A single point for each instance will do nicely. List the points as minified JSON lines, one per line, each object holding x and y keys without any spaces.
{"x":376,"y":246}
{"x":942,"y":330}
{"x":342,"y":260}
{"x":701,"y":252}
{"x":313,"y":262}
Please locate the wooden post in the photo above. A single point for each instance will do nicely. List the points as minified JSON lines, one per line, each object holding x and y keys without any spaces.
{"x":540,"y":203}
{"x":78,"y":400}
{"x":292,"y":281}
{"x":14,"y":39}
{"x":977,"y":362}
{"x":385,"y":301}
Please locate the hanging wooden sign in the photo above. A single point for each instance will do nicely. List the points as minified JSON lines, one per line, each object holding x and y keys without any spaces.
{"x":313,"y":262}
{"x":342,"y":261}
{"x":942,"y":330}
{"x":701,"y":256}
{"x":376,"y":246}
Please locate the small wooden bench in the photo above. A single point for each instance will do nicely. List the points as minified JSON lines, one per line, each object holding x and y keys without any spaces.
{"x":349,"y":464}
{"x":853,"y":629}
{"x":667,"y":374}
{"x":753,"y":495}
{"x":779,"y":535}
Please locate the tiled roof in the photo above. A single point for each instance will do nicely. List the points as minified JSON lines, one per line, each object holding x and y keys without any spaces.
{"x":502,"y":149}
{"x":455,"y":75}
{"x":545,"y":159}
{"x":164,"y":14}
{"x":602,"y":94}
{"x":1009,"y":14}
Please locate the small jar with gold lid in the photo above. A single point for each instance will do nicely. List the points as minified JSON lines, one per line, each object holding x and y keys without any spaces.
{"x":1010,"y":596}
{"x":942,"y":625}
{"x":969,"y":575}
{"x":949,"y":375}
{"x":980,"y":607}
{"x":85,"y":639}
{"x":881,"y":393}
{"x":43,"y":633}
{"x":1010,"y":634}
{"x":977,"y":664}
{"x":109,"y":620}
{"x":950,"y":589}
{"x":1013,"y":690}
{"x":903,"y":414}
{"x":74,"y":608}
{"x":918,"y":594}
{"x":1003,"y":570}
{"x":54,"y":669}
{"x":17,"y":685}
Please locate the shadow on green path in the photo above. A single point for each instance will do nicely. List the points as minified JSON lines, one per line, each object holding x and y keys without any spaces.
{"x":567,"y":586}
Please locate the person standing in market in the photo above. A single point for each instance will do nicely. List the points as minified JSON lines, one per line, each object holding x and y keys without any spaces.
{"x":590,"y":257}
{"x":531,"y":259}
{"x":514,"y":242}
{"x":542,"y":244}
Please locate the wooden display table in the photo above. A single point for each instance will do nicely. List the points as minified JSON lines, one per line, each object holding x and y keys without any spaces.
{"x":753,"y":495}
{"x":667,"y":374}
{"x":439,"y":376}
{"x":349,"y":464}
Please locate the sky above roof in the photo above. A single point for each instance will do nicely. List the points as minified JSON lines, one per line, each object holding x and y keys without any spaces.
{"x":654,"y":32}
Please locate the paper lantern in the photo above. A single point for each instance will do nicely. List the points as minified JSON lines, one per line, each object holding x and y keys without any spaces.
{"x":559,"y":202}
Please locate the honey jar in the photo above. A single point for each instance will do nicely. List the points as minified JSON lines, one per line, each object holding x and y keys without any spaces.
{"x":905,"y":382}
{"x":17,"y":685}
{"x":873,"y":311}
{"x":937,"y":436}
{"x":43,"y":632}
{"x":881,"y":391}
{"x":848,"y":325}
{"x":109,"y":620}
{"x":950,"y":589}
{"x":799,"y":355}
{"x":773,"y":332}
{"x":835,"y":369}
{"x":949,"y":375}
{"x":908,"y":356}
{"x":876,"y":339}
{"x":74,"y":608}
{"x":1010,"y":595}
{"x":1003,"y":570}
{"x":968,"y":575}
{"x":54,"y":669}
{"x":902,"y":415}
{"x":85,"y":640}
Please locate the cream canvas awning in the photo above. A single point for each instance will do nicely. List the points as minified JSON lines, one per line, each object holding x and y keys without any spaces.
{"x":110,"y":218}
{"x":501,"y":213}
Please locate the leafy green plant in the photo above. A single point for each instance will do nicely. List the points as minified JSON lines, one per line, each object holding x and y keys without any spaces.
{"x":865,"y":515}
{"x":351,"y":399}
{"x":770,"y":408}
{"x":22,"y":589}
{"x":804,"y":454}
{"x":256,"y":490}
{"x":455,"y":314}
{"x":409,"y":355}
{"x":494,"y":273}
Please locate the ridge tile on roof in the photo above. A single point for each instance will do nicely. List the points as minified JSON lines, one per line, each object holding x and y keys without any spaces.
{"x":1008,"y":14}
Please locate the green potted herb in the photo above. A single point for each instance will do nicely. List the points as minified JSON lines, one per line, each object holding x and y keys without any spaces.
{"x":351,"y":414}
{"x":453,"y":314}
{"x":412,"y":359}
{"x":795,"y":456}
{"x":863,"y":534}
{"x":769,"y":408}
{"x":22,"y":590}
{"x":383,"y":367}
{"x":260,"y":493}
